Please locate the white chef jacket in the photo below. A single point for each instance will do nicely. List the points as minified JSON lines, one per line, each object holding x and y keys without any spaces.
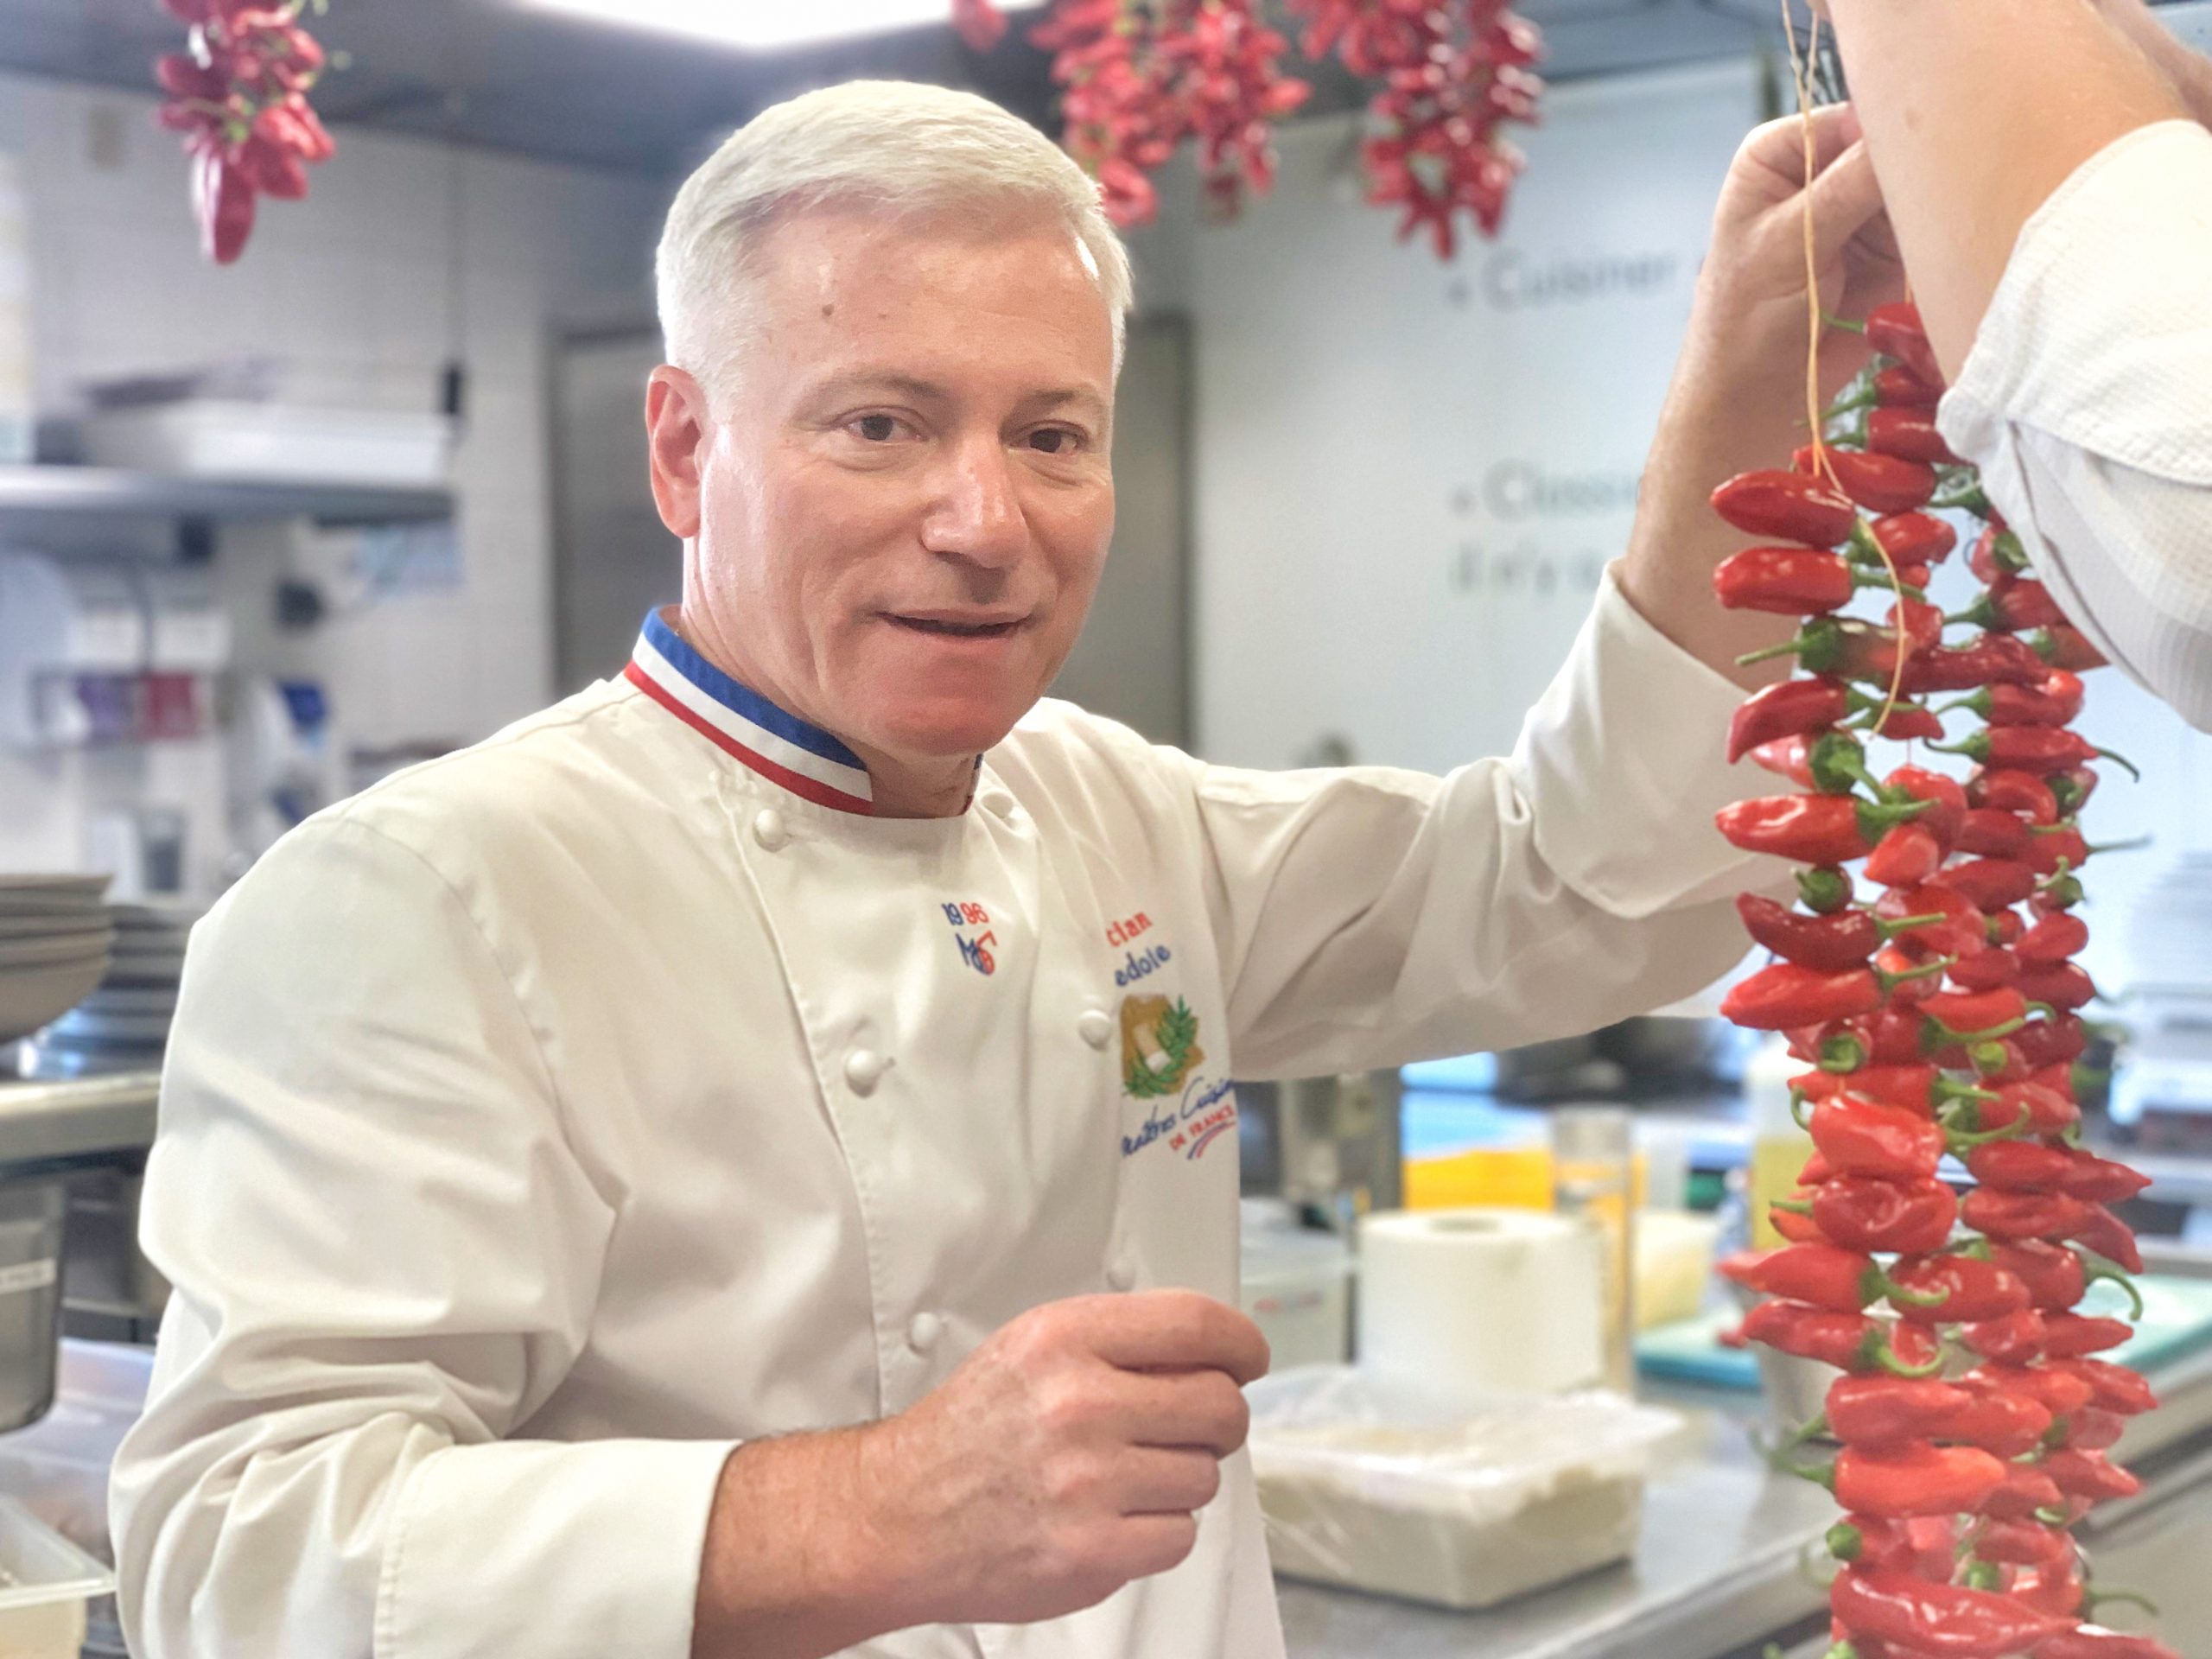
{"x":2087,"y":402}
{"x":555,"y":1115}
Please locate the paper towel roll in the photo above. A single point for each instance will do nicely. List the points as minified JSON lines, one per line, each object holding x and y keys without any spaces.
{"x":1465,"y":1302}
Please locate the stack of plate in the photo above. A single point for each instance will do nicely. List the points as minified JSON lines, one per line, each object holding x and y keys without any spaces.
{"x":54,"y":935}
{"x":124,"y":1024}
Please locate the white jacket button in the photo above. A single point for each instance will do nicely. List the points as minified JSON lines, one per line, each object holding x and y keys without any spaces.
{"x":768,"y":829}
{"x":922,"y":1334}
{"x":1122,"y":1273}
{"x":864,"y":1068}
{"x":1097,"y":1026}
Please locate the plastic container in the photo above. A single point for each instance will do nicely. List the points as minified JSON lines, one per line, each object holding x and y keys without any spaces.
{"x":32,"y":1214}
{"x":1673,"y":1265}
{"x":46,"y":1583}
{"x":1296,"y":1286}
{"x":1779,"y":1147}
{"x":1371,"y":1486}
{"x":219,"y":437}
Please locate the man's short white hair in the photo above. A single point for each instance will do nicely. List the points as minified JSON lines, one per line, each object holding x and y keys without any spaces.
{"x":900,"y":146}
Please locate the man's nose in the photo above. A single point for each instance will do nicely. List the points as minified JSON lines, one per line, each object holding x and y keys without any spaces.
{"x":976,"y":514}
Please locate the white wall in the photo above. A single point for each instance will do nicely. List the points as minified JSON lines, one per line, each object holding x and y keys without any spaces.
{"x":406,"y":253}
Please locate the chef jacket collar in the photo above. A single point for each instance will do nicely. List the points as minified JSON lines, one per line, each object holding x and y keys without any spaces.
{"x":780,"y":747}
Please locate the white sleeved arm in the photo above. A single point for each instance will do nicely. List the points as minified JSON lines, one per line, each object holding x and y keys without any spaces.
{"x":385,"y":1256}
{"x":2087,"y":402}
{"x":1369,"y":916}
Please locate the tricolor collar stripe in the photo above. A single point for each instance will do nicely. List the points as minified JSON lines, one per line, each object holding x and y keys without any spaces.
{"x":801,"y":768}
{"x":748,"y":705}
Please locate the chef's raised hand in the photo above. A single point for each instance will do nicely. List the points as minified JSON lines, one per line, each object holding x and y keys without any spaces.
{"x":1065,"y":1457}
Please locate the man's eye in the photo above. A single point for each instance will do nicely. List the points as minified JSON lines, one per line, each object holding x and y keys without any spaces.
{"x":1055,"y":441}
{"x":877,"y":428}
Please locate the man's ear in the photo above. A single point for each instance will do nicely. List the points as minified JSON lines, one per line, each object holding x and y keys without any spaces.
{"x":677,"y":431}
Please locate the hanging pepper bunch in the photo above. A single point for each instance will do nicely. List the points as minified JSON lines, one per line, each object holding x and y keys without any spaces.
{"x":1454,"y":72}
{"x":240,"y":96}
{"x":1139,"y":77}
{"x":1938,"y":1012}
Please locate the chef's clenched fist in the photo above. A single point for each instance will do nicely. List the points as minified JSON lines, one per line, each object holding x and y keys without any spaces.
{"x":1065,"y":1457}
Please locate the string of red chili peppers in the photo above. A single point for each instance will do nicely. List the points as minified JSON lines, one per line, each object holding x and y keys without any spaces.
{"x":240,"y":96}
{"x":1141,"y":76}
{"x":1939,"y":1017}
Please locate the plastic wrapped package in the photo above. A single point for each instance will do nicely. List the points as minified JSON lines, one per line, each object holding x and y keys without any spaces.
{"x":1367,"y":1483}
{"x":45,"y":1583}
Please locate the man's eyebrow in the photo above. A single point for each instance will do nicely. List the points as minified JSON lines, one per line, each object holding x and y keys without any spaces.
{"x":861,"y":380}
{"x":1088,"y":401}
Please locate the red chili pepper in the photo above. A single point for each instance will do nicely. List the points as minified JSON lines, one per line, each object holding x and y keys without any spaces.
{"x":2005,"y":928}
{"x":1786,"y":505}
{"x":1909,"y":433}
{"x":1907,"y":722}
{"x":1907,"y":1218}
{"x":2032,"y":749}
{"x":1789,"y":757}
{"x":2055,"y":702}
{"x":2005,"y":1424}
{"x":1899,"y":387}
{"x":1785,"y":581}
{"x":1890,"y":1411}
{"x":2054,"y":1590}
{"x":2099,"y":1180}
{"x":1881,"y":484}
{"x":1986,"y":971}
{"x":1914,"y":1088}
{"x":1960,"y":932}
{"x":1850,"y":1342}
{"x":2071,"y":790}
{"x":1997,"y":555}
{"x":2052,"y":1274}
{"x":2054,"y":939}
{"x":1943,"y":1620}
{"x":1818,"y":1275}
{"x":1992,"y":883}
{"x":2023,"y":1543}
{"x":2072,"y":1336}
{"x":1811,"y":828}
{"x":2015,"y":605}
{"x":1832,"y":943}
{"x":1788,"y":710}
{"x":1989,"y":832}
{"x":2049,"y":848}
{"x":1909,"y":1480}
{"x":1907,"y":854}
{"x":2045,"y":1109}
{"x":1946,"y":798}
{"x":2020,"y":1166}
{"x":2064,"y":986}
{"x":1967,"y":1013}
{"x":2026,"y":1490}
{"x":224,"y":198}
{"x":2089,"y":1474}
{"x":2016,"y":1339}
{"x":2050,"y":1216}
{"x":1798,"y":1229}
{"x":1785,"y":994}
{"x":1840,"y":646}
{"x":2111,"y":1237}
{"x":1896,"y":331}
{"x":1969,"y":1289}
{"x":1913,"y":538}
{"x":1992,"y":659}
{"x":2112,"y":1388}
{"x":2102,"y":1644}
{"x":2069,"y":648}
{"x":2053,"y":1042}
{"x":2010,"y":791}
{"x":1865,"y":1137}
{"x":2092,"y":1429}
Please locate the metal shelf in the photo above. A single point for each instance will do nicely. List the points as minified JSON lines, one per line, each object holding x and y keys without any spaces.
{"x":33,"y":495}
{"x":85,"y":1117}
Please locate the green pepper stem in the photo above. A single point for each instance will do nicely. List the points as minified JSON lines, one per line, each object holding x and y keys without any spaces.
{"x":2051,"y":1517}
{"x":1844,"y":323}
{"x":1967,"y":1140}
{"x":1885,"y":1357}
{"x":1787,"y":648}
{"x":1795,"y":1206}
{"x":2093,"y":1599}
{"x":1889,"y":981}
{"x":1903,"y":1296}
{"x":1889,"y":929}
{"x":1798,"y":1101}
{"x":2100,"y":1274}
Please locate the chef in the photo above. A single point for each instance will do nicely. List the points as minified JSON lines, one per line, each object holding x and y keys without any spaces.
{"x":2050,"y":174}
{"x":743,"y":1163}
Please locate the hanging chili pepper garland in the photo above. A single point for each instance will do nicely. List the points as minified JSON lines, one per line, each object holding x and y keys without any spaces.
{"x":240,"y":96}
{"x":1937,"y":1016}
{"x":1139,"y":77}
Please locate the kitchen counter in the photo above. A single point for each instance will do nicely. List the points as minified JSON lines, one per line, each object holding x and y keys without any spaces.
{"x":1717,"y":1573}
{"x":80,"y":1118}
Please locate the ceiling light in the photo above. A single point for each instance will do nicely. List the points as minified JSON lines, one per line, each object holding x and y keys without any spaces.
{"x":766,"y":25}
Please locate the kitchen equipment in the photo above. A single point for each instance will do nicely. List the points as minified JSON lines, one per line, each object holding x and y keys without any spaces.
{"x":46,"y":1583}
{"x":1295,"y":1286}
{"x":121,"y":1024}
{"x":1468,"y":1302}
{"x":32,"y":1212}
{"x":1467,"y":1503}
{"x":231,"y":438}
{"x":1592,"y":1166}
{"x":54,"y":947}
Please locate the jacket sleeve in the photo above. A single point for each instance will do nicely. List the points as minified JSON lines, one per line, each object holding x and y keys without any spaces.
{"x":1367,"y":917}
{"x":384,"y":1257}
{"x":2087,"y":402}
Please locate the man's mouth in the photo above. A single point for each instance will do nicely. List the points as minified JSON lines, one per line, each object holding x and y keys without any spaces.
{"x":959,"y":628}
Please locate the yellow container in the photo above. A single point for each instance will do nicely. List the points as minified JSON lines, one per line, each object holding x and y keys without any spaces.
{"x":1509,"y":1178}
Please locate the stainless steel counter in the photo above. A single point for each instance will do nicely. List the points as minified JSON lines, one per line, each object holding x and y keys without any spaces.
{"x":1717,"y":1572}
{"x":88,"y":1117}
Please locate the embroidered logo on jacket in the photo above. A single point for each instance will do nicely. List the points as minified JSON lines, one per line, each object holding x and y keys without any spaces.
{"x":1159,"y":1046}
{"x":976,"y":951}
